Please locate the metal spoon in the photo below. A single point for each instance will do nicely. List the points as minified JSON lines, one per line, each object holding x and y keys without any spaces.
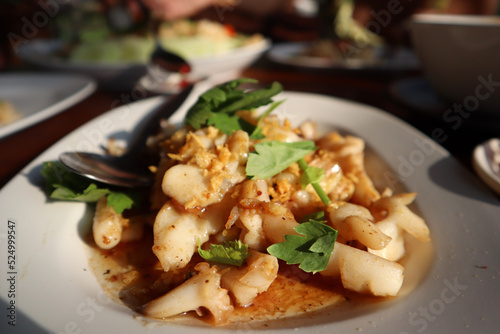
{"x":129,"y":170}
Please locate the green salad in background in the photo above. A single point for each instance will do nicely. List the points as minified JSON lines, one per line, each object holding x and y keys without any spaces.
{"x":95,"y":42}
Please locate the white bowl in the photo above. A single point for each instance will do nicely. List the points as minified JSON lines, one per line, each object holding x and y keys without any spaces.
{"x":218,"y":68}
{"x":460,"y":55}
{"x":237,"y":59}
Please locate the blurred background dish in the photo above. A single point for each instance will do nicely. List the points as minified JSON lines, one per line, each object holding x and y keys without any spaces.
{"x":212,"y":50}
{"x":219,"y":68}
{"x":123,"y":75}
{"x":113,"y":42}
{"x":210,"y":47}
{"x":120,"y":62}
{"x":416,"y":93}
{"x":44,"y":55}
{"x":35,"y":97}
{"x":324,"y":54}
{"x":202,"y":38}
{"x":459,"y":55}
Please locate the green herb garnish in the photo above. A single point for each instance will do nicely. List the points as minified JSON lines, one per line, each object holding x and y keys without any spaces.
{"x":318,"y":216}
{"x":218,"y":106}
{"x":313,"y":175}
{"x":62,"y":184}
{"x":311,"y":249}
{"x":232,"y":253}
{"x":273,"y":157}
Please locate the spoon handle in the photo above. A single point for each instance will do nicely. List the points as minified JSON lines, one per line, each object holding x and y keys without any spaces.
{"x":150,"y":125}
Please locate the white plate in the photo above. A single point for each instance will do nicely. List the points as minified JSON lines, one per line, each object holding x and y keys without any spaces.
{"x":293,"y":54}
{"x":41,"y":53}
{"x":57,"y":292}
{"x":40,"y":96}
{"x":124,"y":75}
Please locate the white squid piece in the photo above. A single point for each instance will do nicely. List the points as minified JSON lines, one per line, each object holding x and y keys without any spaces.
{"x":364,"y":272}
{"x":247,"y":282}
{"x":277,"y":221}
{"x":107,"y":225}
{"x":349,"y":152}
{"x":395,"y":209}
{"x":252,"y":232}
{"x":187,"y":183}
{"x":201,"y":290}
{"x":176,"y":234}
{"x":367,"y":273}
{"x":355,"y":222}
{"x":395,"y":249}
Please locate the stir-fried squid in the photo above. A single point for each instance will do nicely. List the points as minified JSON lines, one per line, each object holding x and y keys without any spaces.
{"x":204,"y":197}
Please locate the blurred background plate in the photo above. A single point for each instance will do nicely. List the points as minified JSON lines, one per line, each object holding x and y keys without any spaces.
{"x":36,"y":97}
{"x":381,"y":58}
{"x":42,"y":54}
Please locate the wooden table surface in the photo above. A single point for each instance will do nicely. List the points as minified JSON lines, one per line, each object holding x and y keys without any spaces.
{"x":369,"y":87}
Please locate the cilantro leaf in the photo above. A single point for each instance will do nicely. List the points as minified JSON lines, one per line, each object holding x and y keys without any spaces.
{"x":311,"y":175}
{"x":89,"y":194}
{"x":227,"y":99}
{"x":252,"y":99}
{"x":272,"y":157}
{"x":120,"y":201}
{"x":311,"y":249}
{"x":232,"y":253}
{"x":318,"y":216}
{"x":209,"y":102}
{"x":224,"y":122}
{"x":62,"y":184}
{"x":228,"y":124}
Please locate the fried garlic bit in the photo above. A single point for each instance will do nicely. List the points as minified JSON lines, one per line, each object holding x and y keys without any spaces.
{"x":210,"y":164}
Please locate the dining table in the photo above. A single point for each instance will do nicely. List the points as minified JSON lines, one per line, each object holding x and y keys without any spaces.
{"x":373,"y":87}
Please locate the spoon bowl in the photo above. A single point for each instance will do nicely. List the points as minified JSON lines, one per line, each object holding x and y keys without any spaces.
{"x":115,"y":171}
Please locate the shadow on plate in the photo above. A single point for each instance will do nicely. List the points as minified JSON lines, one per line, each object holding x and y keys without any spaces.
{"x":23,"y":323}
{"x":84,"y":225}
{"x":35,"y":178}
{"x":450,"y":175}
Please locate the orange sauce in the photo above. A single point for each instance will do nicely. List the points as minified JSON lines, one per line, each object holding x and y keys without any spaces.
{"x":131,"y":274}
